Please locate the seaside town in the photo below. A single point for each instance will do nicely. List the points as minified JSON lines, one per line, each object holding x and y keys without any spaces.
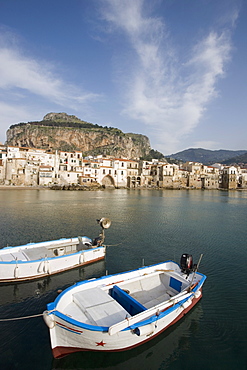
{"x":22,"y":166}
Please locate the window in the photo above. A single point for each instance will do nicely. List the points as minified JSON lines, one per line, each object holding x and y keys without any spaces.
{"x":45,"y":174}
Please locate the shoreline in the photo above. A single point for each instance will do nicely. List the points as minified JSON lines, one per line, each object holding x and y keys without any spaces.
{"x":37,"y":187}
{"x":22,"y":187}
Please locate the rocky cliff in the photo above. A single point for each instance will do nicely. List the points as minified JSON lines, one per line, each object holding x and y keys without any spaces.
{"x":59,"y":131}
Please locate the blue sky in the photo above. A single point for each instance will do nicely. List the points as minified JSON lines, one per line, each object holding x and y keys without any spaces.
{"x":174,"y":70}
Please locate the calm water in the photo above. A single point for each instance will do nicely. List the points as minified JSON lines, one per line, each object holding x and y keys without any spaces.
{"x":146,"y":225}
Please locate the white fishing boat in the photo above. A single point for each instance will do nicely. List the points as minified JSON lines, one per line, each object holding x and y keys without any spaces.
{"x":37,"y":260}
{"x":122,"y":311}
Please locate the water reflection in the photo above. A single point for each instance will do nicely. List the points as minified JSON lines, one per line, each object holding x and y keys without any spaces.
{"x":16,"y":293}
{"x":150,"y":225}
{"x":24,"y":343}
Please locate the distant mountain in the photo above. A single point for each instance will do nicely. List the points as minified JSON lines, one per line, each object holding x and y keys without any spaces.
{"x":240,"y":159}
{"x":206,"y":156}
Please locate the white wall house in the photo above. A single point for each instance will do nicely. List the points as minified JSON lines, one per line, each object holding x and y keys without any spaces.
{"x":3,"y":159}
{"x":46,"y":175}
{"x":120,"y":172}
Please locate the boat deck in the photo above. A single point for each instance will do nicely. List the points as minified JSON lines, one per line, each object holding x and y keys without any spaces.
{"x":151,"y":290}
{"x":101,"y":307}
{"x":151,"y":299}
{"x":28,"y":254}
{"x":36,"y":252}
{"x":95,"y":307}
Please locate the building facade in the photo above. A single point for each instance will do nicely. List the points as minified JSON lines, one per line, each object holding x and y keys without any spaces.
{"x":36,"y":167}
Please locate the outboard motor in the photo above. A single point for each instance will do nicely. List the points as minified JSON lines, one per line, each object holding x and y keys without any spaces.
{"x":97,"y":241}
{"x":186,"y":263}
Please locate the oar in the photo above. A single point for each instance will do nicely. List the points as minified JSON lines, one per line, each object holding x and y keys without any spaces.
{"x":161,"y":270}
{"x":145,"y":314}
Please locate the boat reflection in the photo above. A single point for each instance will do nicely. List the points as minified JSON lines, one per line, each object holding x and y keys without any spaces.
{"x":21,"y":291}
{"x":19,"y":337}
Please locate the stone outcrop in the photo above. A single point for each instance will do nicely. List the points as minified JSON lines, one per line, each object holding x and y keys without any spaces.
{"x":64,"y":117}
{"x":59,"y":131}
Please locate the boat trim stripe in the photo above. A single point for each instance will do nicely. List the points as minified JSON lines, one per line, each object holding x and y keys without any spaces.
{"x":75,"y":331}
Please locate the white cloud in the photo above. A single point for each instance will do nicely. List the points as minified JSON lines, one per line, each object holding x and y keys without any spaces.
{"x":20,"y":72}
{"x":169,"y":96}
{"x":27,"y":85}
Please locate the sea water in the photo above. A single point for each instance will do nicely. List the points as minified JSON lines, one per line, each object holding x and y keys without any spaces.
{"x":148,"y":227}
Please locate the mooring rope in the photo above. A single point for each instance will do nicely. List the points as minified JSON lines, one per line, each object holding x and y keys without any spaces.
{"x":22,"y":318}
{"x":25,"y":317}
{"x":113,"y":245}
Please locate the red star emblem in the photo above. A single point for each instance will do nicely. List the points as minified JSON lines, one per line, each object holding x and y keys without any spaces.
{"x":100,"y":343}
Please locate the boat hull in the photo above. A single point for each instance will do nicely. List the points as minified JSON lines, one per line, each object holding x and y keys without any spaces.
{"x":61,"y":351}
{"x":17,"y":271}
{"x":122,"y":311}
{"x":79,"y":339}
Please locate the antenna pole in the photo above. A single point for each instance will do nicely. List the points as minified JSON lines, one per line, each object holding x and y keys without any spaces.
{"x":196,"y":269}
